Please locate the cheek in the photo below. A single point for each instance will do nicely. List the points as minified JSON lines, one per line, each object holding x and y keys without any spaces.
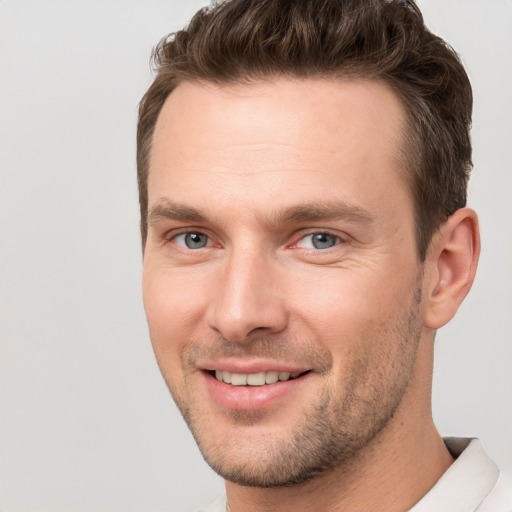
{"x":341,"y":297}
{"x":349,"y":313}
{"x":173,"y":308}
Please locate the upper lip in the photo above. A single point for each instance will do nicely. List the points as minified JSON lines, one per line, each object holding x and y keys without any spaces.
{"x":251,"y":366}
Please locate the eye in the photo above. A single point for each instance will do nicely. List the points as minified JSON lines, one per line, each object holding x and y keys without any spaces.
{"x":192,"y":240}
{"x":318,"y":241}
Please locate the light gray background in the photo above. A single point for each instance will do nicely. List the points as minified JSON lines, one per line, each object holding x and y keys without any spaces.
{"x":86,"y":423}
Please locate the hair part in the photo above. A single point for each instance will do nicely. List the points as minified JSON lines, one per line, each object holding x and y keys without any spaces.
{"x":243,"y":41}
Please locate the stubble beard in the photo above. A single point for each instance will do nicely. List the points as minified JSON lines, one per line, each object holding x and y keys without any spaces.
{"x":333,"y":431}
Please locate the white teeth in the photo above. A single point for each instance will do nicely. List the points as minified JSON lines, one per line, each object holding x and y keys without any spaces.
{"x":238,"y":379}
{"x":253,"y":379}
{"x":256,"y":379}
{"x":271,"y":377}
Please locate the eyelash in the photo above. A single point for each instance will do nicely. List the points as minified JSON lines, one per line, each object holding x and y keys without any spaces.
{"x":337,"y":240}
{"x":295,"y":245}
{"x":185,"y":233}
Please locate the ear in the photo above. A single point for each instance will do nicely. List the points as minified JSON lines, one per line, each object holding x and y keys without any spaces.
{"x":453,"y":258}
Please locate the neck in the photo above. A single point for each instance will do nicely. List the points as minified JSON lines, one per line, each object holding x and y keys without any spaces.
{"x":376,"y":480}
{"x":392,"y":473}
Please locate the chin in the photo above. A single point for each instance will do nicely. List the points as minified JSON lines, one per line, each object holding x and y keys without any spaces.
{"x":254,"y":455}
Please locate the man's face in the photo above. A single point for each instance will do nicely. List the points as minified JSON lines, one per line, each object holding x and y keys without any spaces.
{"x":281,"y":281}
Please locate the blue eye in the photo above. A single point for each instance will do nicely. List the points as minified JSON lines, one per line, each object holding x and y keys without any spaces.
{"x":318,"y":241}
{"x":192,"y":240}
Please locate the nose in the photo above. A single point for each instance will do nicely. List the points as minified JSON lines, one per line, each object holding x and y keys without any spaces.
{"x":248,"y":300}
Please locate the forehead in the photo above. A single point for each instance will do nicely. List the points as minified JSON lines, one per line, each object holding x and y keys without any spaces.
{"x":302,"y":136}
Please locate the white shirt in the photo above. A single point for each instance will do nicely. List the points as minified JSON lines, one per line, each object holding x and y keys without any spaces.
{"x":469,"y":485}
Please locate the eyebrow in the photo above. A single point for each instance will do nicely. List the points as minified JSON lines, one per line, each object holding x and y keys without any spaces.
{"x":311,"y":212}
{"x":322,"y":211}
{"x":167,"y":210}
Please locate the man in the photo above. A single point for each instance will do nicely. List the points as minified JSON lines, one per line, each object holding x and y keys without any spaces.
{"x":302,"y":175}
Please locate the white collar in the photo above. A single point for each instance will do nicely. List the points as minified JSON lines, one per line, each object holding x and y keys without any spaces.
{"x":466,"y":482}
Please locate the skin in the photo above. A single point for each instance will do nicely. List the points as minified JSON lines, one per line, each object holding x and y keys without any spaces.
{"x":257,"y":169}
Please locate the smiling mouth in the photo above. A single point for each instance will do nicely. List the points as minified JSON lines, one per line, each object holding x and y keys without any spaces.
{"x":255,"y":379}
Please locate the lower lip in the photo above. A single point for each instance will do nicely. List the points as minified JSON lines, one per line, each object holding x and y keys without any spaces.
{"x":251,"y":398}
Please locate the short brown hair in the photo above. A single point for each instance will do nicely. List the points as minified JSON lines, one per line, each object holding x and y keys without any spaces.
{"x":248,"y":40}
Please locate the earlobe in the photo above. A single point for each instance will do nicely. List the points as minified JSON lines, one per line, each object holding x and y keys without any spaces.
{"x":453,"y":256}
